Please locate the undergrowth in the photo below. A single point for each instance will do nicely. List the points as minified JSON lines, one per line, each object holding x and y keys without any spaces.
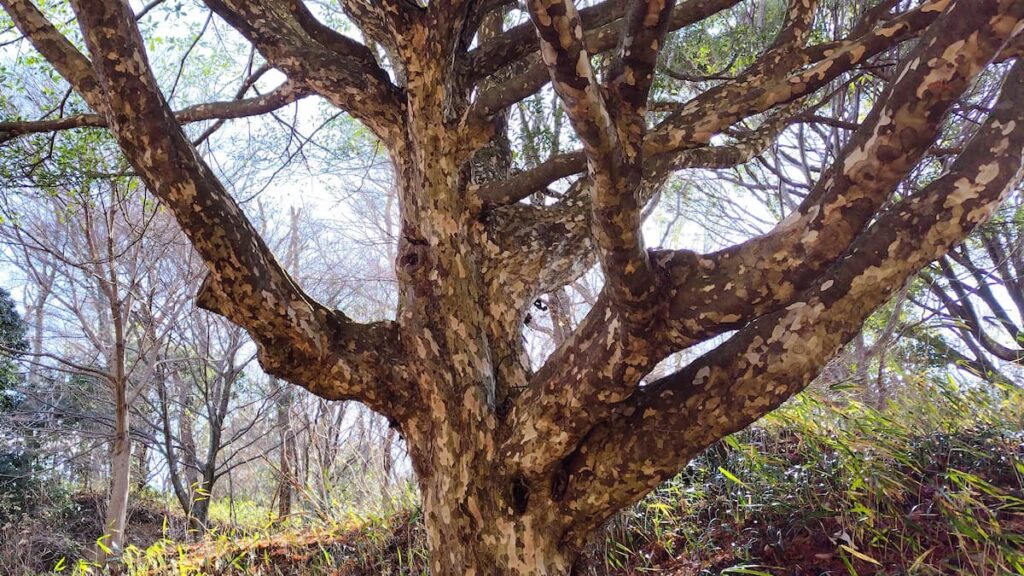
{"x":932,"y":484}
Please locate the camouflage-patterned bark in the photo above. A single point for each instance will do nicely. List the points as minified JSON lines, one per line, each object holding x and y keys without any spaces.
{"x":516,"y":468}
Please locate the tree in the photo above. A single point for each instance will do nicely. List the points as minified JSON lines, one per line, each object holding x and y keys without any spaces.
{"x":13,"y":343}
{"x":976,"y":293}
{"x":92,"y":239}
{"x":202,"y":416}
{"x":515,"y":466}
{"x":16,"y":461}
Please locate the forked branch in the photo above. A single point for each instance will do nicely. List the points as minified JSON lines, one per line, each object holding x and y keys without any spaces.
{"x":669,"y":421}
{"x":338,"y":68}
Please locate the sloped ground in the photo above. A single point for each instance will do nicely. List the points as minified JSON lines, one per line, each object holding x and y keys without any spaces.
{"x":838,"y":488}
{"x":958,"y":511}
{"x":65,"y":526}
{"x":773,"y":503}
{"x":821,"y":487}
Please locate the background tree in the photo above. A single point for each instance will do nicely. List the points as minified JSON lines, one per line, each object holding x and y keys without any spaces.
{"x":16,"y":459}
{"x":13,"y":343}
{"x":519,"y":465}
{"x":95,"y":294}
{"x":975,"y":292}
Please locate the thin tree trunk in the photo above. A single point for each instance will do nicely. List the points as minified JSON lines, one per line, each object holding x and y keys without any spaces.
{"x":121,"y":456}
{"x":120,"y":481}
{"x":200,"y":514}
{"x":286,"y":455}
{"x":142,"y":466}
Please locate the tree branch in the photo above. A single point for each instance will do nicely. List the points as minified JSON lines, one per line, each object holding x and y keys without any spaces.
{"x":534,"y":74}
{"x":521,"y":41}
{"x":612,"y":137}
{"x":335,"y":66}
{"x":742,"y":282}
{"x":383,"y":21}
{"x":298,"y":339}
{"x":671,"y":420}
{"x":281,"y":96}
{"x":58,"y":51}
{"x":528,"y":182}
{"x":720,"y":292}
{"x":764,"y":85}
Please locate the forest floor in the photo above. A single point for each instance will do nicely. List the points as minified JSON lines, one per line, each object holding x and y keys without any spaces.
{"x":820,"y":487}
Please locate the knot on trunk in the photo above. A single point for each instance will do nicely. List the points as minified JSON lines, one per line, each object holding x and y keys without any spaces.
{"x":414,"y":262}
{"x":520,"y":494}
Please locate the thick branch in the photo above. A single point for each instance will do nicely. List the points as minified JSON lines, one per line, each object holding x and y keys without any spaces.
{"x":598,"y":40}
{"x":611,"y":137}
{"x":615,"y":182}
{"x":763,"y":85}
{"x":58,"y":51}
{"x":716,"y":293}
{"x":298,"y":338}
{"x":521,"y":185}
{"x":382,"y":21}
{"x":631,"y":75}
{"x":528,"y":182}
{"x":795,"y":30}
{"x":568,"y":63}
{"x":750,"y":279}
{"x":335,"y":66}
{"x":671,"y":420}
{"x":521,"y":41}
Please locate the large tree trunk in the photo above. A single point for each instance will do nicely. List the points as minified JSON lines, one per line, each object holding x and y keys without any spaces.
{"x":485,"y":534}
{"x":481,"y":518}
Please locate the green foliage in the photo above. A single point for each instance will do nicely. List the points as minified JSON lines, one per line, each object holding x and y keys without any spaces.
{"x":933,"y":485}
{"x":17,"y":484}
{"x":12,"y":345}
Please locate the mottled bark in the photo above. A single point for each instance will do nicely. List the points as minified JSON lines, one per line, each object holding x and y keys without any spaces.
{"x":517,"y":467}
{"x":778,"y":354}
{"x":336,"y":67}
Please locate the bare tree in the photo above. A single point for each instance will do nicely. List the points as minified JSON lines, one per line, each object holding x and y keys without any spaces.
{"x":205,"y":420}
{"x":517,"y":467}
{"x":975,"y":304}
{"x":91,"y":276}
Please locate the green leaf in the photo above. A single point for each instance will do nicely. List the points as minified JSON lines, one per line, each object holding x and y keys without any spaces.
{"x":732,"y":477}
{"x":102,"y":546}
